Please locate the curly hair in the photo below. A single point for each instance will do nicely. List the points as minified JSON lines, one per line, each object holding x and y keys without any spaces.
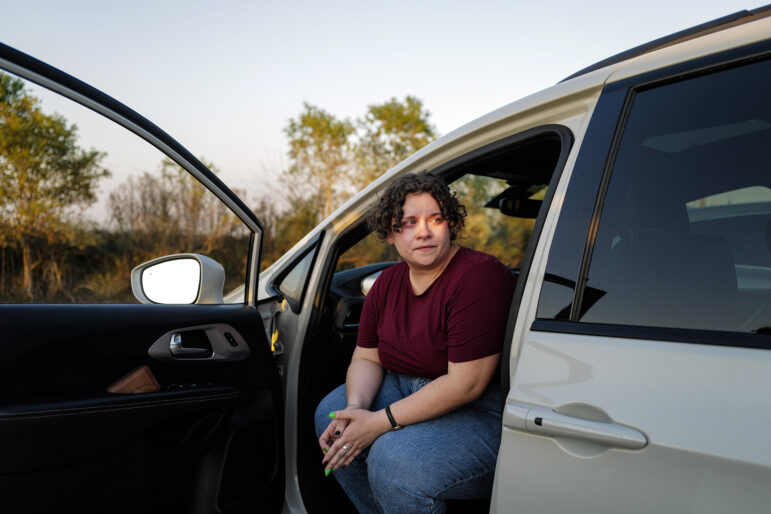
{"x":386,"y":216}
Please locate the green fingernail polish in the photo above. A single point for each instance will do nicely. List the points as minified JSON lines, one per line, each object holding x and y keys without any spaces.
{"x":326,"y":473}
{"x":331,"y":414}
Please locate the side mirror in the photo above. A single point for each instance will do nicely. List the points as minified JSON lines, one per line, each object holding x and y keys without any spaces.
{"x":183,"y":278}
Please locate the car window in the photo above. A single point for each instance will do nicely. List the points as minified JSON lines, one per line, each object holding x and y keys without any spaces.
{"x":502,"y":186}
{"x":368,"y":250}
{"x":555,"y":301}
{"x":684,"y":239}
{"x":292,"y":284}
{"x":487,"y":228}
{"x":83,"y":201}
{"x":743,"y":218}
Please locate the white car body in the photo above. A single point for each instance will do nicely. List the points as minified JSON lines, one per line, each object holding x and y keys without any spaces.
{"x":702,"y":409}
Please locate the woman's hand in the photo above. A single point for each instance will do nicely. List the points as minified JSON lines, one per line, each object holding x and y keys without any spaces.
{"x":363,"y":380}
{"x":333,"y":431}
{"x":361,"y":430}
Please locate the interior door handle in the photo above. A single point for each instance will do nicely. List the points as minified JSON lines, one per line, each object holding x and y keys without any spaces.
{"x":212,"y":342}
{"x":546,"y":422}
{"x":176,"y":348}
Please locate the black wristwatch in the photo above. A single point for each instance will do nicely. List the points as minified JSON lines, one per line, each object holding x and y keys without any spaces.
{"x":394,"y":425}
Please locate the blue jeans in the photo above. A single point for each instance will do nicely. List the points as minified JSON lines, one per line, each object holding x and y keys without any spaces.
{"x":419,"y":467}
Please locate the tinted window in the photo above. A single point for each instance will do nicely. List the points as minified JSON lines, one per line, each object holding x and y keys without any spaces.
{"x":562,"y":268}
{"x":684,"y":240}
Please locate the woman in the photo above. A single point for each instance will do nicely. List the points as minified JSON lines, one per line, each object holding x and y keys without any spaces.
{"x":428,"y":347}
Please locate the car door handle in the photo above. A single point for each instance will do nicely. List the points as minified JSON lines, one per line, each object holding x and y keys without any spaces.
{"x":546,"y":422}
{"x":213,"y":342}
{"x":176,"y":348}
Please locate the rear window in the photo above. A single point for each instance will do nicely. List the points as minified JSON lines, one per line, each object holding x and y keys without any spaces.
{"x":684,"y":239}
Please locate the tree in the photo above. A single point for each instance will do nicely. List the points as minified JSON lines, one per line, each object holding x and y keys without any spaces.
{"x":44,"y":178}
{"x":172,"y":209}
{"x":283,"y":228}
{"x":390,"y":132}
{"x":320,"y":150}
{"x":330,"y":159}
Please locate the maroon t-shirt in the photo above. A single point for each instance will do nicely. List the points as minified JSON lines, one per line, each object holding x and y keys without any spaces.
{"x":460,"y":317}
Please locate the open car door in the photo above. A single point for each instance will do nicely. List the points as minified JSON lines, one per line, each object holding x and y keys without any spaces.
{"x":80,"y":428}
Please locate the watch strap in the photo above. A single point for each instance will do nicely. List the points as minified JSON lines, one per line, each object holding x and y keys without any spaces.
{"x":394,"y":424}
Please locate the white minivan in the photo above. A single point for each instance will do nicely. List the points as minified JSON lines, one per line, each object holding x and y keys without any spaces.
{"x":637,"y":360}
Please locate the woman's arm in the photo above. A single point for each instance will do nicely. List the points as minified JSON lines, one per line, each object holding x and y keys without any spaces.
{"x":463,"y":383}
{"x":365,"y":374}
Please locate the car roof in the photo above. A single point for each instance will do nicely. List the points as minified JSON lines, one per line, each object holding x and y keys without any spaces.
{"x":731,"y":20}
{"x":724,"y":33}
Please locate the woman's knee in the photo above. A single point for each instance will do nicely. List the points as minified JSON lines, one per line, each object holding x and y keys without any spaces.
{"x":398,"y":482}
{"x":424,"y":463}
{"x":388,"y":460}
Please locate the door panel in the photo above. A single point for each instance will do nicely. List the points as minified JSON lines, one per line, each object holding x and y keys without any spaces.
{"x":656,"y":333}
{"x":701,"y":455}
{"x":209,"y":439}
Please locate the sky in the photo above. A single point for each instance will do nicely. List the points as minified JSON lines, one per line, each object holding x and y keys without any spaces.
{"x":224,"y":78}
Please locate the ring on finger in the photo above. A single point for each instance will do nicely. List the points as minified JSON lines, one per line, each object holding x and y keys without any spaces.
{"x":345,"y":449}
